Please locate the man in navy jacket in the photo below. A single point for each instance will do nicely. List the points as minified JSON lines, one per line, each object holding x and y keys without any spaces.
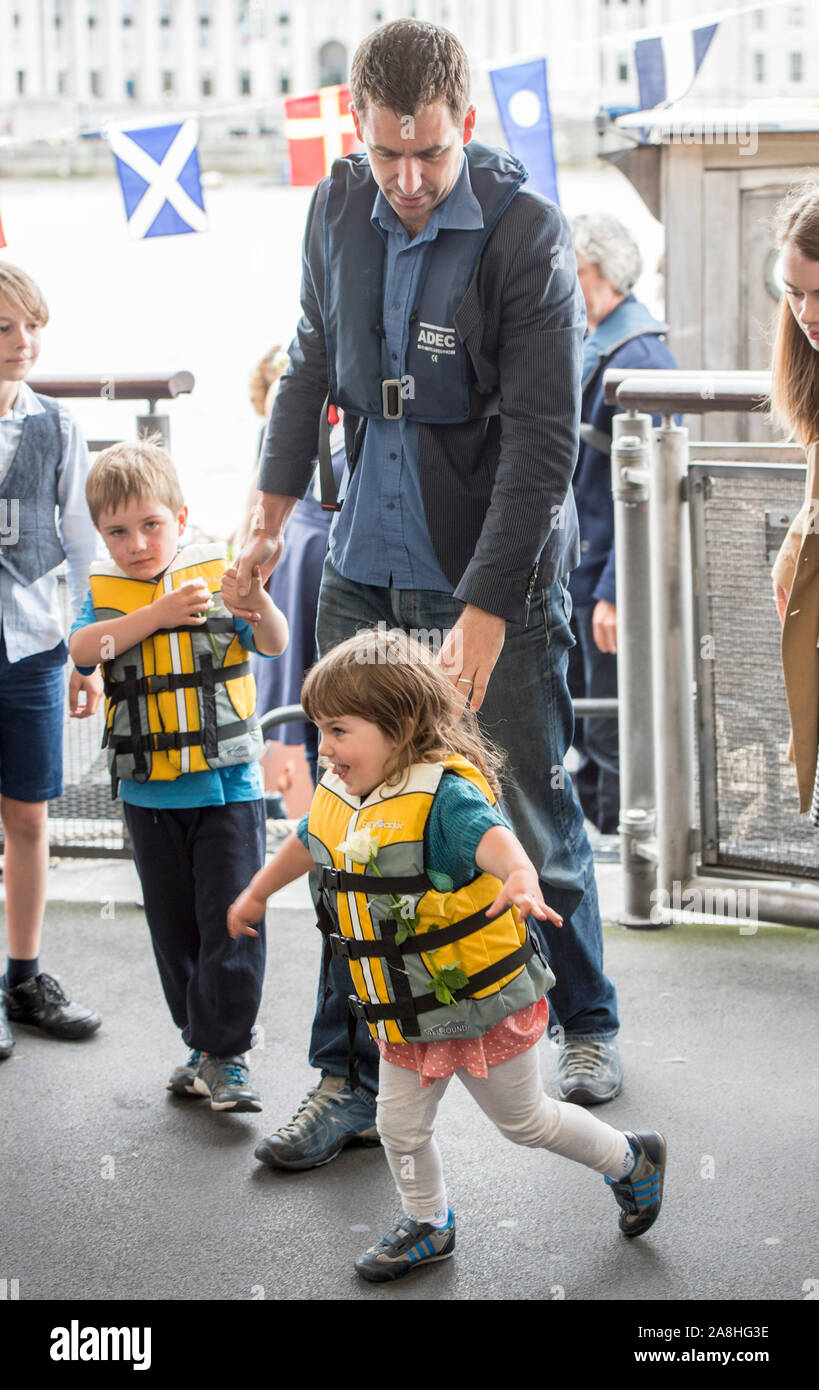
{"x":622,"y":333}
{"x":441,"y":311}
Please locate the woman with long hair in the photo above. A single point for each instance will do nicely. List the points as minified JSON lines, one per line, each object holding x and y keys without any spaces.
{"x":795,"y":406}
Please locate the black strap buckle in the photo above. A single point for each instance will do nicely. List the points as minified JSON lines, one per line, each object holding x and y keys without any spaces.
{"x":358,"y":1008}
{"x":155,"y":684}
{"x":392,"y":398}
{"x":329,"y":878}
{"x":340,"y":945}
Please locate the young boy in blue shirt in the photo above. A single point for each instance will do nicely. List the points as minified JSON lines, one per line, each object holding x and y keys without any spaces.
{"x":183,"y":743}
{"x":43,"y":520}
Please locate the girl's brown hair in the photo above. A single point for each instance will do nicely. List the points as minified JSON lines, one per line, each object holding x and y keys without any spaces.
{"x":389,"y":679}
{"x":795,"y":367}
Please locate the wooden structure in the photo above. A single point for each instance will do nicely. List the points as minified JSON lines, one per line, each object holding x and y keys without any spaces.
{"x":713,"y":178}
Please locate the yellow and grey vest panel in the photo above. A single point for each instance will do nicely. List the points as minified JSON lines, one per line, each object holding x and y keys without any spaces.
{"x":394,"y":983}
{"x":184,"y":699}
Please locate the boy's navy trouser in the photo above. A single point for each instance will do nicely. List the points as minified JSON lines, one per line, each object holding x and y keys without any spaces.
{"x":192,"y":864}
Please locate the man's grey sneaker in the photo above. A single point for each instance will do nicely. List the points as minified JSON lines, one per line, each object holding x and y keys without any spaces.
{"x":227,"y":1081}
{"x":41,"y":1003}
{"x":640,"y":1195}
{"x":181,"y":1079}
{"x":589,"y":1071}
{"x":6,"y":1035}
{"x":406,"y":1247}
{"x":329,"y":1117}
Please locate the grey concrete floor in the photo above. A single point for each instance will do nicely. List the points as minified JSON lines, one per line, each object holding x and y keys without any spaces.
{"x":115,"y":1190}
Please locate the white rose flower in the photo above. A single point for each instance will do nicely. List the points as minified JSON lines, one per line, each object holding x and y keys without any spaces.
{"x":361,"y":846}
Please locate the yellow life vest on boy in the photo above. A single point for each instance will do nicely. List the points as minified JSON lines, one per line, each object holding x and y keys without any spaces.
{"x":395,"y":983}
{"x":184,"y":699}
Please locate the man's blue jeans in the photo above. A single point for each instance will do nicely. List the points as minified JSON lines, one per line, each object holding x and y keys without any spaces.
{"x":528,"y":713}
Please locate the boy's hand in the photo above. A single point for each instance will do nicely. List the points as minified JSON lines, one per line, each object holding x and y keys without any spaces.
{"x":247,"y":909}
{"x":187,"y":605}
{"x":522,"y":890}
{"x":249,"y":606}
{"x":90,"y":686}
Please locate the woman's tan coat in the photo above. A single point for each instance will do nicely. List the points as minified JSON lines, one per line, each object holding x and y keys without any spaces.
{"x":797,"y":570}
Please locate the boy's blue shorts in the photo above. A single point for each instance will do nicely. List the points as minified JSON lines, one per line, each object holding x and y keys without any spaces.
{"x":32,"y":700}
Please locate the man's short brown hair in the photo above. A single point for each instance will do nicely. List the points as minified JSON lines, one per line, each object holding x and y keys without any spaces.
{"x":140,"y":469}
{"x":407,"y":65}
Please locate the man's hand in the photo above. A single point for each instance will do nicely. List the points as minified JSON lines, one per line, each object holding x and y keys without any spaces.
{"x":265,"y":543}
{"x":604,"y":626}
{"x":249,"y":607}
{"x":470,"y":651}
{"x":90,"y":686}
{"x":187,"y":605}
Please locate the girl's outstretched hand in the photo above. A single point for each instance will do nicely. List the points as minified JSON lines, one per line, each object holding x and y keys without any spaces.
{"x":247,"y":909}
{"x":522,"y":890}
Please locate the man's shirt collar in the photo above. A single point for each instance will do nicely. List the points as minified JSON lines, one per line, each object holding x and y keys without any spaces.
{"x":460,"y":210}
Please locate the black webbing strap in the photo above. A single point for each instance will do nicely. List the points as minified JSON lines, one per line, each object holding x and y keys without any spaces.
{"x":140,"y":761}
{"x":353,"y":949}
{"x":376,"y":1013}
{"x":343,"y":881}
{"x":210,"y":739}
{"x":221,"y":622}
{"x":329,"y":495}
{"x":170,"y":681}
{"x":189,"y":738}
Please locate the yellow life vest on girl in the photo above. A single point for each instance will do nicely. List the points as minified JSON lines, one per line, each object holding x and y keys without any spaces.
{"x":184,"y":699}
{"x":395,"y":983}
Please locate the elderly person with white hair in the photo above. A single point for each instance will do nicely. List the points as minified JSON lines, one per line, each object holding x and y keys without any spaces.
{"x":622,"y":333}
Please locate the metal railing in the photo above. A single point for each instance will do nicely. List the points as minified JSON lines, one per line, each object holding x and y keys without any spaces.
{"x":652,"y":480}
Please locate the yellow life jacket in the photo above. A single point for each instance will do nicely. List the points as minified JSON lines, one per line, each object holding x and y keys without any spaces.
{"x":184,"y":699}
{"x":395,"y":982}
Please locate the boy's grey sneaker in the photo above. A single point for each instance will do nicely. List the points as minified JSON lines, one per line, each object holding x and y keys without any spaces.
{"x":227,"y":1081}
{"x":589,"y":1071}
{"x":640,"y":1195}
{"x":407,"y":1246}
{"x":181,"y":1079}
{"x":41,"y":1003}
{"x":329,"y":1117}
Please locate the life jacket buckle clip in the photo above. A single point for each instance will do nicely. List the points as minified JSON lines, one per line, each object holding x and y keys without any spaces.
{"x":392,"y":398}
{"x":155,"y":684}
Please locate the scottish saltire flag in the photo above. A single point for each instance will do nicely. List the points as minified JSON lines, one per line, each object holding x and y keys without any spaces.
{"x":668,"y":63}
{"x":158,"y":169}
{"x":523,"y":102}
{"x":319,"y":129}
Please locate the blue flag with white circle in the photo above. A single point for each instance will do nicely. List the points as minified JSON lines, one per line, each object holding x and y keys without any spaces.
{"x":158,"y":168}
{"x":522,"y":95}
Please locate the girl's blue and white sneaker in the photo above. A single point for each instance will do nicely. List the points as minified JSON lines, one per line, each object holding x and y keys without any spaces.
{"x":640,"y":1195}
{"x":407,"y":1246}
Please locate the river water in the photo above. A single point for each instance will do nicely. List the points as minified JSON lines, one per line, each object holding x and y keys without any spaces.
{"x":210,"y":303}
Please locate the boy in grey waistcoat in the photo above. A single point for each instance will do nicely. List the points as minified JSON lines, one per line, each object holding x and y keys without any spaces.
{"x":44,"y":519}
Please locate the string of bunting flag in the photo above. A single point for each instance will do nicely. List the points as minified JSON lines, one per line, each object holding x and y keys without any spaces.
{"x":158,"y":165}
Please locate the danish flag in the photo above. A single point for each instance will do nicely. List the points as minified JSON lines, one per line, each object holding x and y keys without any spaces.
{"x":319,"y":129}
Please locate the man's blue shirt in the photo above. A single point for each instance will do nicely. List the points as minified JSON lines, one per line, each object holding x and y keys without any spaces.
{"x":381,"y":536}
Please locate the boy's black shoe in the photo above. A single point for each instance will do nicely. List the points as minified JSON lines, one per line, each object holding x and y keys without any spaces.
{"x":6,"y":1036}
{"x":42,"y":1004}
